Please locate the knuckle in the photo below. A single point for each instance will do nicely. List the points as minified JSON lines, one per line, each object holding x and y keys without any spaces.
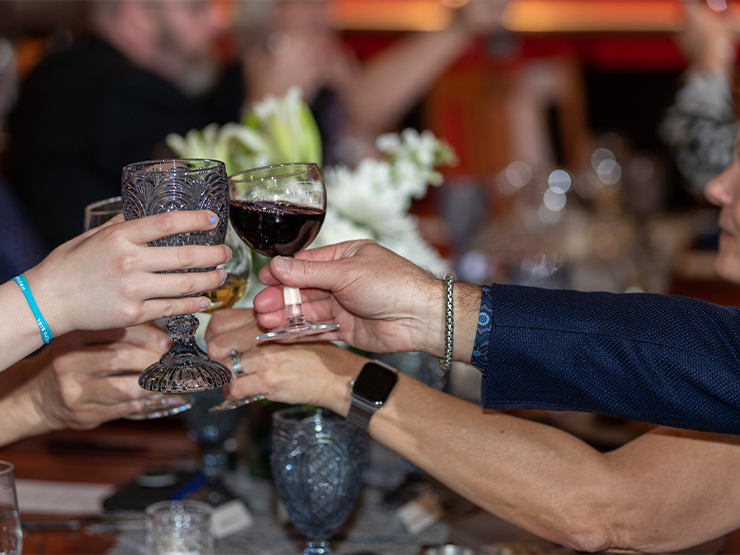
{"x":186,"y":256}
{"x":117,"y":391}
{"x":131,"y":312}
{"x":169,"y":308}
{"x":127,"y":262}
{"x":186,"y":284}
{"x":165,"y":222}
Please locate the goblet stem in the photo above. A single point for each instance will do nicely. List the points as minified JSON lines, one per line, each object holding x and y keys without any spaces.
{"x":317,"y":547}
{"x":185,"y":367}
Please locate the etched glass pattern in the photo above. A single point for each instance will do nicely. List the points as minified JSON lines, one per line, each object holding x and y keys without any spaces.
{"x":179,"y":528}
{"x":163,"y":186}
{"x":317,"y":461}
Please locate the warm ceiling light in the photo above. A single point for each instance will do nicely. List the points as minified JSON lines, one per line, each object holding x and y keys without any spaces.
{"x":717,"y":5}
{"x":454,"y":3}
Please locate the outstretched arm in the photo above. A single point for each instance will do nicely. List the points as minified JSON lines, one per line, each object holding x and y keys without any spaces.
{"x":667,"y":490}
{"x":108,"y":277}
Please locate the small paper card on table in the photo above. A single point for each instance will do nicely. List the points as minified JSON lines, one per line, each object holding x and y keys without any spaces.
{"x":419,"y":514}
{"x":230,"y":518}
{"x":61,"y":498}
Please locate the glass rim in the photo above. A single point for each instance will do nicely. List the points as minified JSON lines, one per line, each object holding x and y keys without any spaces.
{"x":99,"y":205}
{"x":308,"y":166}
{"x":6,"y":468}
{"x":288,"y":415}
{"x":138,"y":167}
{"x":200,"y":507}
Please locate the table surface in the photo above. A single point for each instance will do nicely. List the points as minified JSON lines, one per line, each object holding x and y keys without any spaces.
{"x":118,"y":451}
{"x":111,"y":454}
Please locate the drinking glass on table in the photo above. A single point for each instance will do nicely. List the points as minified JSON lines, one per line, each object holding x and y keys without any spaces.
{"x":11,"y":537}
{"x":179,"y":528}
{"x":317,"y":460}
{"x":157,"y":405}
{"x":159,"y":186}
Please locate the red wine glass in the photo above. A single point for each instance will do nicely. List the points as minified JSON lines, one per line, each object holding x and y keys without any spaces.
{"x":278,"y":211}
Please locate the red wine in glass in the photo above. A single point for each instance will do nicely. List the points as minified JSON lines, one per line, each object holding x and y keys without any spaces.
{"x":275,"y":228}
{"x":278,"y":211}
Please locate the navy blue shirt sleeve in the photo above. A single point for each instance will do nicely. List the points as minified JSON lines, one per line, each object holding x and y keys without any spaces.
{"x":668,"y":360}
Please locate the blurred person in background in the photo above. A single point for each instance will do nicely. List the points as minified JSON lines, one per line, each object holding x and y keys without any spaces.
{"x":293,"y":42}
{"x":149,"y":69}
{"x":702,"y":124}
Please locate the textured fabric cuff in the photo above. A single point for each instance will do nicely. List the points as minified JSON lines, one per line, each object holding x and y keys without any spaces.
{"x":483,"y":334}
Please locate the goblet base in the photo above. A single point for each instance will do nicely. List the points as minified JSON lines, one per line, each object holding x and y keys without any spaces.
{"x":184,"y":372}
{"x":317,"y":547}
{"x":231,"y":405}
{"x":297,"y":331}
{"x":161,"y":405}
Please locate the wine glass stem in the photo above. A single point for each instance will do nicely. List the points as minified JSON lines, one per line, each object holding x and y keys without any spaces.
{"x":314,"y":547}
{"x":293,"y":307}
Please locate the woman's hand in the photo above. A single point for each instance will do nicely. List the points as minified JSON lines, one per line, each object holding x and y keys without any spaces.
{"x":310,"y":373}
{"x":109,"y":278}
{"x":88,"y":378}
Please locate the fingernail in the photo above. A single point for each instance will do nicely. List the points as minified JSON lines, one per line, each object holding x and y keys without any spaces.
{"x":223,"y":276}
{"x":228,"y":252}
{"x":213,"y":219}
{"x":205,"y":303}
{"x":282,"y":264}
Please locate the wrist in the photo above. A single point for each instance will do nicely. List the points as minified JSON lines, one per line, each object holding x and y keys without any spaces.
{"x":339,"y":394}
{"x":429,"y":332}
{"x":22,"y":415}
{"x":49,"y":302}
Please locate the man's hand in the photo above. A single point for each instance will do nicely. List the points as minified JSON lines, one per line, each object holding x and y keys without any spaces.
{"x":381,"y":301}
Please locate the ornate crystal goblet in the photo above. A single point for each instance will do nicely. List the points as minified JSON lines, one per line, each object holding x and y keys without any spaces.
{"x":317,"y":462}
{"x":160,"y":186}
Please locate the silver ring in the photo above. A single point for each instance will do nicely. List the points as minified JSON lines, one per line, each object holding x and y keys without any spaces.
{"x":236,"y":362}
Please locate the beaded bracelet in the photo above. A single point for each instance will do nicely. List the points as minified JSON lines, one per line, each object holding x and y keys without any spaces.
{"x":43,"y":326}
{"x":446,"y":362}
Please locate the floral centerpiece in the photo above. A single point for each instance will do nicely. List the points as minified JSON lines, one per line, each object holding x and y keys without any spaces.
{"x":370,"y":201}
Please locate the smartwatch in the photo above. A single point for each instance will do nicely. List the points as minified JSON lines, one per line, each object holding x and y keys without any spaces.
{"x":370,"y":390}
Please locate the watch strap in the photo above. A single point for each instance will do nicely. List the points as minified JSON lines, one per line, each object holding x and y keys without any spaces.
{"x":360,"y":412}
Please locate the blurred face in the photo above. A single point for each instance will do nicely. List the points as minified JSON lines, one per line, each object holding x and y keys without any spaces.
{"x":724,"y":191}
{"x":187,"y":28}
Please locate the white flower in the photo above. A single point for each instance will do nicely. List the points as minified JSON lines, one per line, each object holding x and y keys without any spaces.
{"x":370,"y":201}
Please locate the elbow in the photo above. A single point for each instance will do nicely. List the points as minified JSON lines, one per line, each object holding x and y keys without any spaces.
{"x":588,"y":541}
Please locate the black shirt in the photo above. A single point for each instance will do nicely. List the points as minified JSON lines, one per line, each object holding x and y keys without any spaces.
{"x":84,"y":114}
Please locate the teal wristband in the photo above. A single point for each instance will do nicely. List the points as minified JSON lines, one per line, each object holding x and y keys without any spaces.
{"x":43,"y":326}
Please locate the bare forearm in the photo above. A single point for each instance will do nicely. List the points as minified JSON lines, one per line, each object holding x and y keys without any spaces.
{"x":390,"y":84}
{"x":644,"y":496}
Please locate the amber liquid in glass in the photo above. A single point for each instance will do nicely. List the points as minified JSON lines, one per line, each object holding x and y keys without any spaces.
{"x":229,"y":293}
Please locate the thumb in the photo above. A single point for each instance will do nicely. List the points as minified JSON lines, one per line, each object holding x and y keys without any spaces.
{"x":307,"y":274}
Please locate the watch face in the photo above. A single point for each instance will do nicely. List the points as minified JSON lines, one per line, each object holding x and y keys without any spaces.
{"x":375,"y":382}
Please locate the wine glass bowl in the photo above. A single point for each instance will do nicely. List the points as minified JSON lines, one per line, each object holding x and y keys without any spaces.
{"x":277,"y":211}
{"x":317,"y":460}
{"x":238,"y":270}
{"x":158,"y":186}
